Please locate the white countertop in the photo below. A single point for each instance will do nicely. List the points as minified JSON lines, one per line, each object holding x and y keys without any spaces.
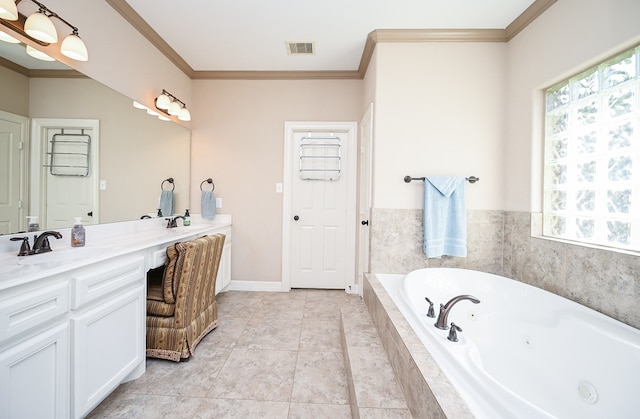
{"x":103,"y":242}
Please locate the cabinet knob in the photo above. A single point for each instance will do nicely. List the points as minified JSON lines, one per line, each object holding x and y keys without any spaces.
{"x":365,"y":222}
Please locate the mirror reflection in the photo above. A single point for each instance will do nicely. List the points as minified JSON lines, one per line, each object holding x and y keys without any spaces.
{"x":73,"y":147}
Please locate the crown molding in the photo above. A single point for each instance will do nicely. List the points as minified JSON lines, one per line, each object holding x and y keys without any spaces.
{"x":275,"y":75}
{"x":373,"y":38}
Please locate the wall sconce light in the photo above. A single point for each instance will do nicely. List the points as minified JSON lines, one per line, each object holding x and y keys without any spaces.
{"x":39,"y":28}
{"x":171,"y":105}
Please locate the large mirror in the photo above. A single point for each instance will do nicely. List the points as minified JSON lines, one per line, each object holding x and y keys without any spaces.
{"x":136,"y":152}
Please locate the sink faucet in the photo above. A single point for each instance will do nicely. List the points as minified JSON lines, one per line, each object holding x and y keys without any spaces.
{"x":41,"y":242}
{"x":172,"y":222}
{"x":441,"y":323}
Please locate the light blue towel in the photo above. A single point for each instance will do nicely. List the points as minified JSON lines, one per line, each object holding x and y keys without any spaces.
{"x":445,"y":217}
{"x":166,"y":203}
{"x":207,"y":204}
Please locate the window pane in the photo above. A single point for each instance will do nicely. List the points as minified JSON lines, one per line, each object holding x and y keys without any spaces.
{"x":620,"y":168}
{"x":556,"y":174}
{"x":557,"y":225}
{"x":586,"y":200}
{"x":587,"y":113}
{"x":585,"y":85}
{"x":557,"y":122}
{"x":621,"y":102}
{"x":556,"y":200}
{"x":557,"y":148}
{"x":619,"y":232}
{"x":558,"y":96}
{"x":587,"y":142}
{"x":585,"y":228}
{"x":620,"y":69}
{"x":586,"y":171}
{"x":620,"y":136}
{"x":618,"y":201}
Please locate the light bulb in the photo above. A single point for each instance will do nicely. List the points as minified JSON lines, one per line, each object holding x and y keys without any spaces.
{"x":174,"y":108}
{"x":184,"y":115}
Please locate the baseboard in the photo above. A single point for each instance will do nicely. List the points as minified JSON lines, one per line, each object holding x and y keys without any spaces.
{"x":267,"y":286}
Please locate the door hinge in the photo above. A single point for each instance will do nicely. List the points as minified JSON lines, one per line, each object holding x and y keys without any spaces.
{"x":19,"y":204}
{"x":20,"y":145}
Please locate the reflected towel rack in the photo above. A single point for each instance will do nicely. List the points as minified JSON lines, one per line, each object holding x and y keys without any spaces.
{"x":209,"y":180}
{"x":470,"y":179}
{"x":170,"y":180}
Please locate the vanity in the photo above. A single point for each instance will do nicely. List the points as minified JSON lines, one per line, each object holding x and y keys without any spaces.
{"x":72,"y":321}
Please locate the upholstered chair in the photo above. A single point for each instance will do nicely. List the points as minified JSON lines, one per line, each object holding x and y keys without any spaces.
{"x":181,"y":309}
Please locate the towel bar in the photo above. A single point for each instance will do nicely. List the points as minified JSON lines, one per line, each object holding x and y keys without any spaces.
{"x":209,"y":180}
{"x":470,"y":179}
{"x":170,"y":180}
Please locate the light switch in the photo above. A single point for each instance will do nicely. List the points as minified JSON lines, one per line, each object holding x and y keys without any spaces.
{"x":103,"y":185}
{"x":278,"y":187}
{"x":218,"y":202}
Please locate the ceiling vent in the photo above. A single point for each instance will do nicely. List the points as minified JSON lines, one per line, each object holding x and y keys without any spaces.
{"x":296,"y":48}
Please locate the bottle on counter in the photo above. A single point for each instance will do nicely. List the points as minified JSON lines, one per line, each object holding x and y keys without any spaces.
{"x":77,"y":233}
{"x":187,"y":218}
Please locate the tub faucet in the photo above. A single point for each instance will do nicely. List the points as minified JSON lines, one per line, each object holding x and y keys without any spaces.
{"x":441,"y":323}
{"x":172,"y":222}
{"x":41,"y":242}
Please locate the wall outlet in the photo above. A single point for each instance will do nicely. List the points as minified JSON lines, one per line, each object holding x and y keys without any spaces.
{"x":103,"y":185}
{"x":278,"y":187}
{"x":218,"y":202}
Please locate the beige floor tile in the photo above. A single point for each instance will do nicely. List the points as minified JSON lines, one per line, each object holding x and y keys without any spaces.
{"x":313,"y":411}
{"x":320,"y":377}
{"x":147,"y":407}
{"x":241,"y":409}
{"x":320,"y":335}
{"x":280,"y":308}
{"x":270,"y":333}
{"x":373,"y":379}
{"x":255,"y":374}
{"x":371,"y":413}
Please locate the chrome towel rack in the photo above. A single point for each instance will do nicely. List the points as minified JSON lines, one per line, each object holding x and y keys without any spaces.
{"x":170,"y":180}
{"x":209,"y":180}
{"x":470,"y":179}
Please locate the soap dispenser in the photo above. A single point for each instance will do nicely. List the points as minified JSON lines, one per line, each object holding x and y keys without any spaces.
{"x":187,"y":218}
{"x":33,"y":223}
{"x":77,"y":233}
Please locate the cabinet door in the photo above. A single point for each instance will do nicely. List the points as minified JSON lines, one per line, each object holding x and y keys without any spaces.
{"x":224,"y":271}
{"x":108,"y":343}
{"x":34,"y":377}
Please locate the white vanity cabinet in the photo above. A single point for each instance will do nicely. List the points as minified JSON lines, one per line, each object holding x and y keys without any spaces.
{"x":107,"y":318}
{"x":34,"y":351}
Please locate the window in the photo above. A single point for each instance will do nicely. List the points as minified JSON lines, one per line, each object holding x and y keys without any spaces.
{"x":592,"y":155}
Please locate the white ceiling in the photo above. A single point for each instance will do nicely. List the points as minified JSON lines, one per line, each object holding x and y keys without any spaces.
{"x":245,"y":35}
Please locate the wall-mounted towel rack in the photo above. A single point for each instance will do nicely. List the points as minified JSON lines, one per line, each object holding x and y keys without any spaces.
{"x":209,"y":180}
{"x":470,"y":179}
{"x":170,"y":180}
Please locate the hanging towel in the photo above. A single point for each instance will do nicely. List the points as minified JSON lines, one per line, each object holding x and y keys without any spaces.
{"x":166,"y":203}
{"x":207,"y":204}
{"x":445,"y":217}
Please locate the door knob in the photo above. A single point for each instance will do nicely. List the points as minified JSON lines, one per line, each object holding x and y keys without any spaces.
{"x":90,"y":213}
{"x":296,"y":218}
{"x":365,"y":222}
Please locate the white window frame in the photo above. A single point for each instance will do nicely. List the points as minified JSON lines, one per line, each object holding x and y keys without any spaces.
{"x":602,"y":155}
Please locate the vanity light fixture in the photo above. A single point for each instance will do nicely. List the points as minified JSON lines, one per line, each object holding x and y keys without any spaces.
{"x":39,"y":28}
{"x":171,"y":105}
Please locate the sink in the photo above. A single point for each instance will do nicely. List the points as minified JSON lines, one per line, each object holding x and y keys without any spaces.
{"x":63,"y":255}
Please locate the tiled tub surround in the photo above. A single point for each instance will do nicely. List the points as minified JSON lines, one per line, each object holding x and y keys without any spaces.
{"x":500,"y":242}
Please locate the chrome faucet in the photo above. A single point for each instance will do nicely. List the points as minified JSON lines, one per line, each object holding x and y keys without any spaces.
{"x":41,"y":242}
{"x":172,"y":222}
{"x":441,"y":323}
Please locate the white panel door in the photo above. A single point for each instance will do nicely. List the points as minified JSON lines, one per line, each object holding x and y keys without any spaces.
{"x":322,"y":212}
{"x":13,"y":129}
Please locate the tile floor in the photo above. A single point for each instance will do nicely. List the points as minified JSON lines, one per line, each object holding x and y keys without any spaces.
{"x":273,"y":355}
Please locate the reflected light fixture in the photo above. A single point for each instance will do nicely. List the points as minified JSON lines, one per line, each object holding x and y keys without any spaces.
{"x":39,"y":28}
{"x":171,"y":105}
{"x":36,"y":53}
{"x":8,"y":10}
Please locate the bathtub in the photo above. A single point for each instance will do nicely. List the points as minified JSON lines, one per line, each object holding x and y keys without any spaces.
{"x":523,"y":352}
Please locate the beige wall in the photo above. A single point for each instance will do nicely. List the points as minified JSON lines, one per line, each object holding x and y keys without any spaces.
{"x":568,"y":37}
{"x":237,"y":139}
{"x":15,"y":92}
{"x":439,"y":111}
{"x":137,"y":151}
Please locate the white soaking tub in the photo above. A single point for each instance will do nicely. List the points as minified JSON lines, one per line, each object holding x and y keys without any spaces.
{"x":523,"y":352}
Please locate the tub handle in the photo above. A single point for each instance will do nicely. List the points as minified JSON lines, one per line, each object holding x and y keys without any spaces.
{"x":430,"y":313}
{"x":453,"y":332}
